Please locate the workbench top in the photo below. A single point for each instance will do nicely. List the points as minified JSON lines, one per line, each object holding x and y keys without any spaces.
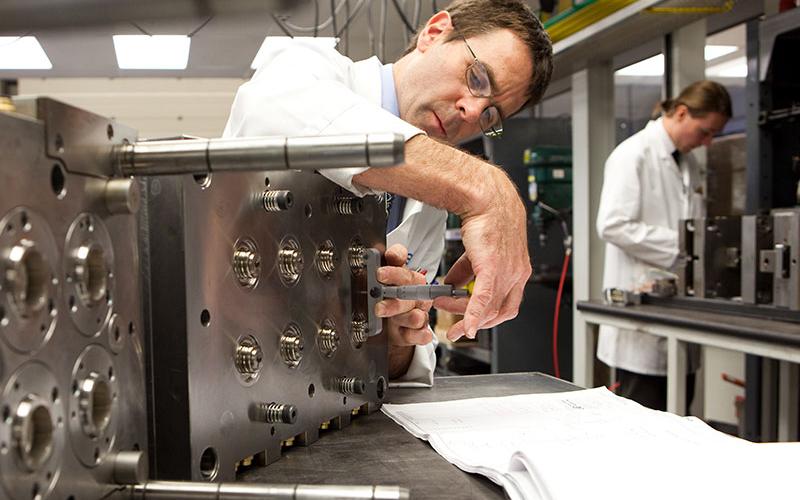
{"x":375,"y":450}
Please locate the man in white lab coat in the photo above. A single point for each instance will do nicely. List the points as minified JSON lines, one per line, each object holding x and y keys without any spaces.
{"x":469,"y":67}
{"x":652,"y":180}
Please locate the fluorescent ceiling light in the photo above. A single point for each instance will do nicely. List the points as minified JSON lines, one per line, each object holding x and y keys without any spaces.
{"x":652,"y":66}
{"x":715,"y":51}
{"x":152,"y":52}
{"x":736,"y":68}
{"x":272,"y":42}
{"x":22,"y":52}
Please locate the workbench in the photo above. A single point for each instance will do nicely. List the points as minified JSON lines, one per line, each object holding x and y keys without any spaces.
{"x":375,"y":450}
{"x":779,"y":340}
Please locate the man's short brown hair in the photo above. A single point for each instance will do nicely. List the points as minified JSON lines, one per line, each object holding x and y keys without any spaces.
{"x":478,"y":17}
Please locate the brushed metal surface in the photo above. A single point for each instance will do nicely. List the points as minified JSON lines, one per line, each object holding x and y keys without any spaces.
{"x":201,"y":310}
{"x":30,"y":180}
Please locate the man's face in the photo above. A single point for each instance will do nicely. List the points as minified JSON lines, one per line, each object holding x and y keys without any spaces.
{"x":692,"y":132}
{"x":434,"y":95}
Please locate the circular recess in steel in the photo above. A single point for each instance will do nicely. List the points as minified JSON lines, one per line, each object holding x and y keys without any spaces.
{"x":327,"y":338}
{"x":326,"y":259}
{"x":93,"y":405}
{"x":203,"y":180}
{"x":291,"y":345}
{"x":290,"y":261}
{"x":359,"y":329}
{"x":209,"y":464}
{"x":31,"y":432}
{"x":246,"y":262}
{"x":89,"y":273}
{"x":357,"y":256}
{"x":249,"y":358}
{"x":380,"y":387}
{"x":28,"y":283}
{"x":117,"y":333}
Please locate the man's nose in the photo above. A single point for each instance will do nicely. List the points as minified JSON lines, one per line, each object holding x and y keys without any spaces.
{"x":471,"y":108}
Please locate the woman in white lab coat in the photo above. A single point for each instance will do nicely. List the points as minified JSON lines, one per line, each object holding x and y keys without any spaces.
{"x":652,"y":181}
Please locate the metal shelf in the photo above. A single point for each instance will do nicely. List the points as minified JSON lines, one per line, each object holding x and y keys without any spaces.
{"x":626,"y":28}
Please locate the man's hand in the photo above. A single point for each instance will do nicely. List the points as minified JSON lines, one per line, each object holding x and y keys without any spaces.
{"x":496,"y":254}
{"x":407,"y":323}
{"x":494,"y":227}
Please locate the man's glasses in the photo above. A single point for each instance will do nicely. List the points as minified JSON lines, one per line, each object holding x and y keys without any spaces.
{"x":479,"y":85}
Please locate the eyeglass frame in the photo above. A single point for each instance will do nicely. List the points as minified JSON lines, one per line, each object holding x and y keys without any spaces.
{"x":494,"y":131}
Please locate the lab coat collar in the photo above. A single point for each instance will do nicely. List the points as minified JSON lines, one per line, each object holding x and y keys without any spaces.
{"x":663,"y":140}
{"x":367,"y":79}
{"x":388,"y":91}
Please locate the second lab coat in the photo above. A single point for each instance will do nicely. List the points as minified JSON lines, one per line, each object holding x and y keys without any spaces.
{"x":302,"y":89}
{"x":645,"y":194}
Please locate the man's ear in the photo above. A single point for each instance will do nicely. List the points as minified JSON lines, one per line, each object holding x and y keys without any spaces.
{"x":436,"y":29}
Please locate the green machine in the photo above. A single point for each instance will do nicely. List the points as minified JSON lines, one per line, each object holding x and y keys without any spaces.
{"x":550,"y":197}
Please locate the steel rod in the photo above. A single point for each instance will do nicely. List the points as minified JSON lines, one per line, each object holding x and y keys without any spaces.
{"x":203,"y":156}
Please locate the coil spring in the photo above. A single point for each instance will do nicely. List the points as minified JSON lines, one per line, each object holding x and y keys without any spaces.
{"x":358,"y":329}
{"x":246,"y":263}
{"x":291,"y":345}
{"x":347,"y":205}
{"x":277,"y":413}
{"x":248,"y":357}
{"x":350,"y":385}
{"x":290,"y":261}
{"x":357,"y":257}
{"x":328,"y":338}
{"x":326,"y":259}
{"x":275,"y":201}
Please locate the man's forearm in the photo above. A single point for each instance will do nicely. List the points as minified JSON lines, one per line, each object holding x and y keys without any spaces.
{"x":399,"y":360}
{"x":441,"y":176}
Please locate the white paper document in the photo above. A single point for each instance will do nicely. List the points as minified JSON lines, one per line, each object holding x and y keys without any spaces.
{"x":594,"y":444}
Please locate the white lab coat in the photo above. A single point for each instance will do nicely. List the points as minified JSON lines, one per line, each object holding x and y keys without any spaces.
{"x":302,"y":89}
{"x":644,"y":196}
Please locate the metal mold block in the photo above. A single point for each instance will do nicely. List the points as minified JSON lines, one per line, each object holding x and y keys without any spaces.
{"x":717,"y":267}
{"x":782,"y":260}
{"x":300,"y":312}
{"x":28,"y":283}
{"x":54,"y":190}
{"x":756,"y":237}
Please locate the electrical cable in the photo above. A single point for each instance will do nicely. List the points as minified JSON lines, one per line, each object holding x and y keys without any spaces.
{"x":316,"y":18}
{"x":319,"y":26}
{"x":403,"y":16}
{"x":383,"y":29}
{"x":203,"y":25}
{"x":371,"y":29}
{"x":417,"y":11}
{"x":281,"y":25}
{"x":333,"y":16}
{"x":567,"y":253}
{"x":344,"y":28}
{"x":556,"y":367}
{"x":350,"y":17}
{"x":140,"y":28}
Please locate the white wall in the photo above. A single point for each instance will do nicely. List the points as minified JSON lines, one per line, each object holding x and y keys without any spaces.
{"x":720,"y":395}
{"x":156,"y":107}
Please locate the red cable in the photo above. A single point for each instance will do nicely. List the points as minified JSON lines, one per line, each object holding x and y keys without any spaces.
{"x":556,"y":369}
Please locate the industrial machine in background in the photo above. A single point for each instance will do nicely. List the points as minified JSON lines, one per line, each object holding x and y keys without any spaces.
{"x":154,"y":312}
{"x":536,"y":155}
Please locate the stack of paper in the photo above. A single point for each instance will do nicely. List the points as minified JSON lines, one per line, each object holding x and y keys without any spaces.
{"x":593,"y":444}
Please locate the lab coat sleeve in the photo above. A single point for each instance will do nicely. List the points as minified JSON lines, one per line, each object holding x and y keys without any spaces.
{"x":420,"y":371}
{"x":304,"y":91}
{"x":618,"y":218}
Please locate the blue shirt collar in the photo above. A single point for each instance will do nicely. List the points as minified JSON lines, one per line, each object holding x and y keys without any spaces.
{"x":388,"y":92}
